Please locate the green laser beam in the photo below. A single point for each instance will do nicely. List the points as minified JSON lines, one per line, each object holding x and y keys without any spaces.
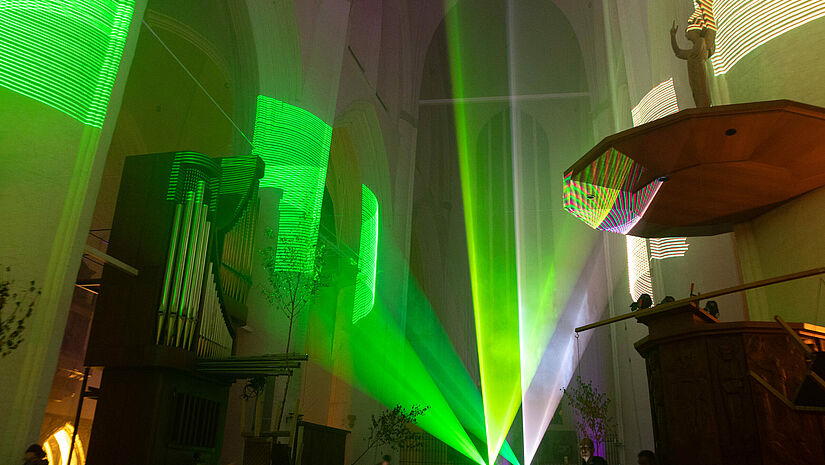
{"x":487,"y":192}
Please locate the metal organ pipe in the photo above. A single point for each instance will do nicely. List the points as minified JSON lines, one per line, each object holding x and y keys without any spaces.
{"x":180,"y":259}
{"x":190,"y":265}
{"x":198,"y":283}
{"x":163,"y":310}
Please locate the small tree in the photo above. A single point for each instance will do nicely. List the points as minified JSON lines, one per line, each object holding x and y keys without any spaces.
{"x":590,"y":405}
{"x":291,"y":286}
{"x":15,"y":308}
{"x":392,"y":428}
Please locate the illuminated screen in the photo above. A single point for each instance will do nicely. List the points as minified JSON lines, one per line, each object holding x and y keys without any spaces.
{"x":64,"y":54}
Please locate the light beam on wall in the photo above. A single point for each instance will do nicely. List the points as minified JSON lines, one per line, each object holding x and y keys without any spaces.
{"x":294,"y":145}
{"x":64,"y":54}
{"x":744,"y":25}
{"x":367,"y":256}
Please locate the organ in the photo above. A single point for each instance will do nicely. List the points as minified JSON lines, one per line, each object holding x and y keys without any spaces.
{"x":186,"y":222}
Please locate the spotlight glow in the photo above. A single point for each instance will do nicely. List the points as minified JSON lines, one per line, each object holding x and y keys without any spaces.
{"x":744,"y":25}
{"x":65,"y":54}
{"x":294,"y":145}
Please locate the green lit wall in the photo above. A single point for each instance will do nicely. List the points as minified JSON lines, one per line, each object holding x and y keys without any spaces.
{"x":294,"y":145}
{"x":65,"y":54}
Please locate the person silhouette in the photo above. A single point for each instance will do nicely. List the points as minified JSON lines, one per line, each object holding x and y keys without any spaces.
{"x":587,"y":450}
{"x":35,"y":455}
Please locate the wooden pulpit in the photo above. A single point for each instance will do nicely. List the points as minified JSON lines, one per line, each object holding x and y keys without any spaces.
{"x":734,"y":393}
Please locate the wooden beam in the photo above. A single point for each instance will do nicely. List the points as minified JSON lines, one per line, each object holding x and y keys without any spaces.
{"x":794,"y":335}
{"x":128,"y":269}
{"x":728,"y":290}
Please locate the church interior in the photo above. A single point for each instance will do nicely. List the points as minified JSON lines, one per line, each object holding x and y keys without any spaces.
{"x":412,"y":232}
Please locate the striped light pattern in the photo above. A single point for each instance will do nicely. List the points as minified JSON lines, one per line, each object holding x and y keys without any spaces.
{"x":294,"y":145}
{"x":744,"y":25}
{"x":702,"y":17}
{"x":64,"y":53}
{"x":602,"y":194}
{"x":638,"y":266}
{"x":668,"y":247}
{"x":367,"y":256}
{"x":658,"y":103}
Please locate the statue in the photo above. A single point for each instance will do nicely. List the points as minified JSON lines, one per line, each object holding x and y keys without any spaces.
{"x":701,"y":31}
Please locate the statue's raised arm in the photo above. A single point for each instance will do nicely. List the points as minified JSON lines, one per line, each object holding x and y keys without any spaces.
{"x":701,"y":32}
{"x":680,"y":53}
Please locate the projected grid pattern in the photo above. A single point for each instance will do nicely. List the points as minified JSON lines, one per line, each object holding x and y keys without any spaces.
{"x":64,"y":54}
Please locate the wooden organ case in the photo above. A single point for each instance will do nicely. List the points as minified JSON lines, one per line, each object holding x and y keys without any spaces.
{"x":186,"y":222}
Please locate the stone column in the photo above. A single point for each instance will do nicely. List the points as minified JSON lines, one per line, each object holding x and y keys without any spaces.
{"x":55,"y":128}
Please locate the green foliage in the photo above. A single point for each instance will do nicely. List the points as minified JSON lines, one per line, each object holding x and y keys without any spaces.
{"x":15,"y":308}
{"x":392,"y":428}
{"x":253,"y":388}
{"x":291,"y":290}
{"x":590,"y":405}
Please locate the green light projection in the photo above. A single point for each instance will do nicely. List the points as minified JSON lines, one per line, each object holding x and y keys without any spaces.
{"x":487,"y":193}
{"x":433,"y":346}
{"x":422,"y":366}
{"x":398,"y":376}
{"x":294,"y":145}
{"x":367,"y":256}
{"x":64,"y":54}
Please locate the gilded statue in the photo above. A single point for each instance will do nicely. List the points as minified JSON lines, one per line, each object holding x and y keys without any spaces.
{"x":701,"y":32}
